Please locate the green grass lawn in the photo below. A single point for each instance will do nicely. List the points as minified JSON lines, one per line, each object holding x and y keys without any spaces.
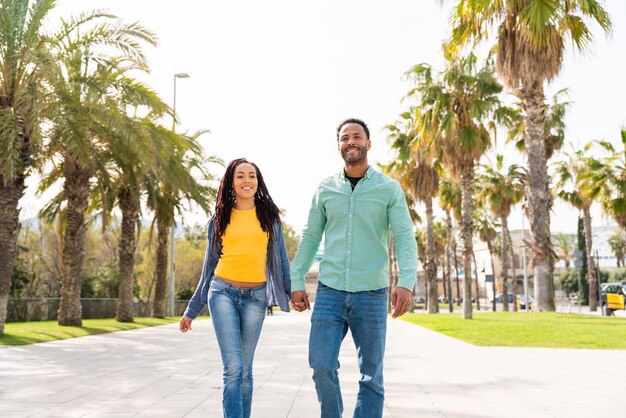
{"x":22,"y":333}
{"x":540,"y":329}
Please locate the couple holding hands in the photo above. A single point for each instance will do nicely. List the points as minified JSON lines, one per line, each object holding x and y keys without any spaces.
{"x":246,"y":269}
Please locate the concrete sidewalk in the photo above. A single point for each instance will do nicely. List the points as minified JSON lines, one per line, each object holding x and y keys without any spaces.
{"x":159,"y":372}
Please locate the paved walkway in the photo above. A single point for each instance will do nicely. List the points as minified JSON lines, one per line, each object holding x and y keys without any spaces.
{"x":159,"y":372}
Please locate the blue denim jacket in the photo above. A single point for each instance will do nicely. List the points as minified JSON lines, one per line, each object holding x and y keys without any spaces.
{"x":278,"y":288}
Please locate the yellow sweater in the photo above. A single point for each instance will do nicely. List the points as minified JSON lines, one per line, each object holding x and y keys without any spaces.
{"x":244,"y":249}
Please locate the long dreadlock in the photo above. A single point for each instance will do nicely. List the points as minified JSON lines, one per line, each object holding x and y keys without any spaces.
{"x":266,"y":210}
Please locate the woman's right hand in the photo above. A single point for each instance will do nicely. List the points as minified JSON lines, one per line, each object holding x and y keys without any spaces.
{"x":185,"y":324}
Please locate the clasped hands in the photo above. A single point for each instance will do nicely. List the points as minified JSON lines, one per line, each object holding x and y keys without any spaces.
{"x":300,"y":300}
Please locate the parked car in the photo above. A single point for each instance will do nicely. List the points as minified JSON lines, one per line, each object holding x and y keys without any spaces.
{"x":521,"y":301}
{"x":420,"y":299}
{"x":499,"y":298}
{"x":612,"y":297}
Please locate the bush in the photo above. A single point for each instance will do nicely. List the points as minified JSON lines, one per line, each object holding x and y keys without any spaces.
{"x":22,"y":276}
{"x":184,"y":294}
{"x":618,"y":275}
{"x":104,"y":282}
{"x":568,"y":282}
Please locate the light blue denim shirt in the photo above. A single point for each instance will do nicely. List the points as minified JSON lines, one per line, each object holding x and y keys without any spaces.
{"x":278,"y":287}
{"x":355,"y":224}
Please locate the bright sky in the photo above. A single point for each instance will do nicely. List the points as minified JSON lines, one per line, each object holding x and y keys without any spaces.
{"x":271,"y":80}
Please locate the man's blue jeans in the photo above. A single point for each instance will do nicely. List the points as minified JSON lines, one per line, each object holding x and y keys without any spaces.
{"x":237,"y":315}
{"x":365,"y":314}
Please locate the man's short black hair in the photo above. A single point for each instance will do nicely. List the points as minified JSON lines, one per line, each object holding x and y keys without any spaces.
{"x":354,"y":120}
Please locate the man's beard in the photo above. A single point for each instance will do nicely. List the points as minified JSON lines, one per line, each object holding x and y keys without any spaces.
{"x":354,"y":158}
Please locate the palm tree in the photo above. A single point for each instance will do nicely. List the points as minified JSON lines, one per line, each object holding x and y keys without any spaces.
{"x":553,"y":126}
{"x":128,"y":196}
{"x":501,"y":188}
{"x":91,"y":77}
{"x":440,"y":241}
{"x":531,"y":43}
{"x":120,"y":184}
{"x":23,"y":62}
{"x":574,"y":186}
{"x":440,"y":234}
{"x":453,"y":109}
{"x":564,"y":245}
{"x":487,"y":233}
{"x":617,"y":241}
{"x":608,"y":177}
{"x":423,"y":186}
{"x":425,"y":189}
{"x":450,"y":200}
{"x":401,"y":168}
{"x":554,"y":134}
{"x":132,"y":163}
{"x":168,"y":190}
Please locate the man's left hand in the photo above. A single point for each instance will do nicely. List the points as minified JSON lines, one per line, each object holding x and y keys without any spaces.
{"x":401,"y":301}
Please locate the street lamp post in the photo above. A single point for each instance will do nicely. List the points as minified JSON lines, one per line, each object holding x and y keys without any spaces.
{"x":170,"y":305}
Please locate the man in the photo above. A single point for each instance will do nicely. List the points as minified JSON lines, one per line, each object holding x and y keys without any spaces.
{"x":354,"y":210}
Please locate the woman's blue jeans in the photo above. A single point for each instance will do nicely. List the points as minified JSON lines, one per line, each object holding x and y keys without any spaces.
{"x":237,"y":315}
{"x":365,"y":314}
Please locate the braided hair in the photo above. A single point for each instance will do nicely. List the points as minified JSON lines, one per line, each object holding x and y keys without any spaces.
{"x":266,"y":211}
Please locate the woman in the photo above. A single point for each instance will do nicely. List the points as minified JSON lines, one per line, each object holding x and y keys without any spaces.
{"x":246,"y":269}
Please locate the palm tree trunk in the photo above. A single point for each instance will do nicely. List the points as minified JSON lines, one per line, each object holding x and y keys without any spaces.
{"x":431,"y":266}
{"x":459,"y":294}
{"x":456,"y":265}
{"x":591,"y":265}
{"x":467,"y":203}
{"x":393,"y":270}
{"x":160,"y":287}
{"x":448,"y":260}
{"x":538,"y":193}
{"x":76,"y":190}
{"x":444,"y":281}
{"x":10,"y":195}
{"x":505,"y":263}
{"x":130,"y":206}
{"x":476,"y":280}
{"x":513,"y":272}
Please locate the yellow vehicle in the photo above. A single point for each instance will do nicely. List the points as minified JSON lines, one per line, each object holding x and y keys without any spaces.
{"x":613,"y":297}
{"x":521,"y":302}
